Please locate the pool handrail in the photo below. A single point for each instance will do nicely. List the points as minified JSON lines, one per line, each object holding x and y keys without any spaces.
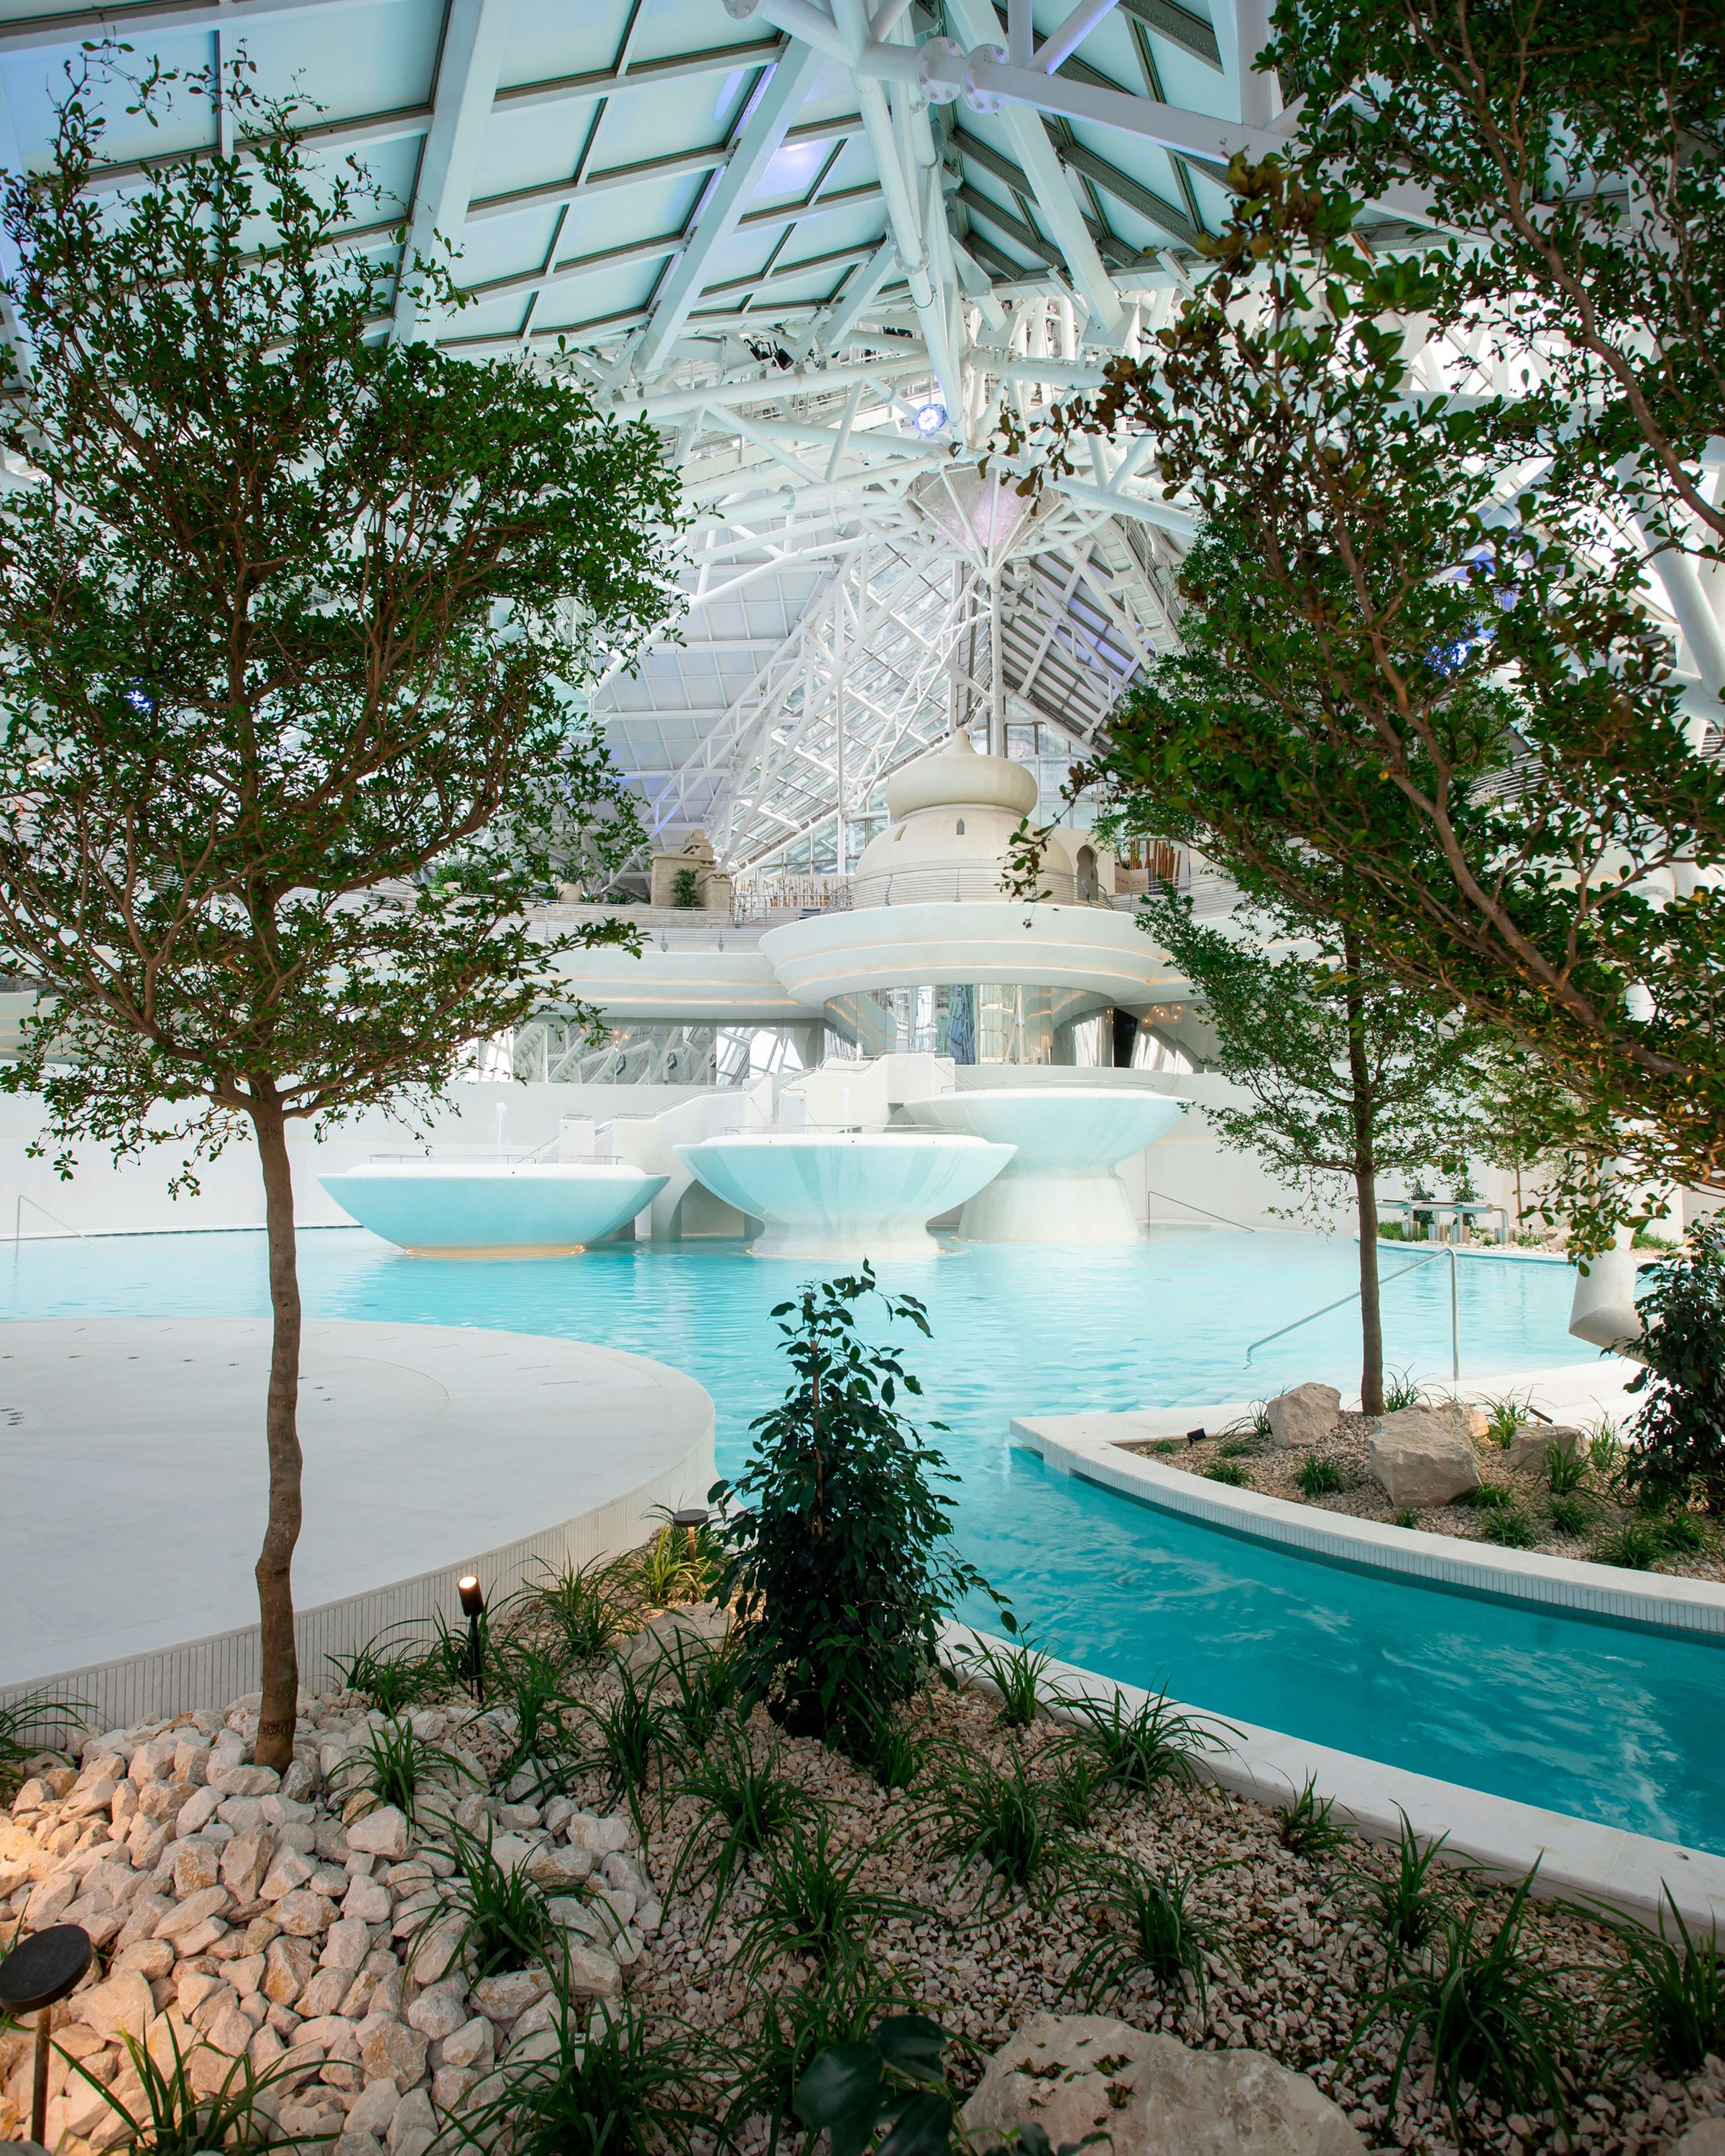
{"x":1455,"y":1311}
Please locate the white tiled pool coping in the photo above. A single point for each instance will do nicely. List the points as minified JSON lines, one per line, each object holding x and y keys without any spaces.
{"x":1090,"y":1445}
{"x":1577,"y":1859}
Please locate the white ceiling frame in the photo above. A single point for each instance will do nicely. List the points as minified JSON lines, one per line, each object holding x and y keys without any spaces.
{"x":468,"y":62}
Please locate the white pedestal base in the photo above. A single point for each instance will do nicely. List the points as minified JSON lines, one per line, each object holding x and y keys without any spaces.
{"x":843,"y":1194}
{"x":468,"y":1210}
{"x":1060,"y":1186}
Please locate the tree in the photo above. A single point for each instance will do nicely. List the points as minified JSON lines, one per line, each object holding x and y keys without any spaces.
{"x":1574,"y":149}
{"x":1682,"y":1423}
{"x":286,"y":620}
{"x":837,"y":1554}
{"x":1350,"y":1077}
{"x":1397,"y":665}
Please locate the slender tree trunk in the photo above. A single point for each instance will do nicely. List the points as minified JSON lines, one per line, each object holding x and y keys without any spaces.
{"x":1362,"y":1114}
{"x":275,"y":1568}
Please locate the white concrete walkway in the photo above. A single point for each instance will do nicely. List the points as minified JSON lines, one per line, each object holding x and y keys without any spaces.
{"x":133,"y":1481}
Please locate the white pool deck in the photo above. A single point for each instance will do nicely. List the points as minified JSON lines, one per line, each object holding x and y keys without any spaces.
{"x":133,"y":1483}
{"x":1576,"y":1858}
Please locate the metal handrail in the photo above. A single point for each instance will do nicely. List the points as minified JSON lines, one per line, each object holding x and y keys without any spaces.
{"x":17,"y":1226}
{"x":1455,"y":1311}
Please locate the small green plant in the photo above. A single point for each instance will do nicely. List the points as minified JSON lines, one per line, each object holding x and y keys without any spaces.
{"x":1509,"y":1527}
{"x":1679,"y":1454}
{"x":705,"y":1682}
{"x":888,"y":1747}
{"x":1495,"y":2020}
{"x":26,"y":1724}
{"x":391,"y":1679}
{"x":1150,"y":1933}
{"x":611,"y":2087}
{"x":1146,"y":1748}
{"x":1407,"y":1516}
{"x":686,"y":888}
{"x":1604,"y":1451}
{"x":1077,"y":1784}
{"x":812,"y":1907}
{"x":631,"y":1731}
{"x":1005,"y":1823}
{"x":532,"y":1685}
{"x":583,"y":1602}
{"x":1168,"y":1447}
{"x":1565,"y":1468}
{"x":1015,"y":1671}
{"x":1485,"y":1496}
{"x":1667,"y":1996}
{"x":506,"y":1922}
{"x":1306,"y":1826}
{"x":1318,"y":1476}
{"x":177,"y":2119}
{"x":1635,"y":1545}
{"x":1244,"y":1443}
{"x":1401,"y":1391}
{"x":1570,"y":1516}
{"x":394,"y":1767}
{"x":837,"y":1543}
{"x":1504,"y":1417}
{"x":679,"y":1564}
{"x":750,"y":1804}
{"x":797,"y":2024}
{"x":1229,"y":1471}
{"x":1398,"y":1898}
{"x":1684,"y":1536}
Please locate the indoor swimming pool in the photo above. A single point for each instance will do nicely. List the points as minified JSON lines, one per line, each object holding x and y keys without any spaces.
{"x":1605,"y":1721}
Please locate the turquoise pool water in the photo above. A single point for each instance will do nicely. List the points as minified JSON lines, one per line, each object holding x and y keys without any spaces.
{"x":1610,"y":1722}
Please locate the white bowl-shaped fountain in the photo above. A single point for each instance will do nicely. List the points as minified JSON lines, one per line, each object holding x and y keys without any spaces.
{"x":490,"y":1209}
{"x":843,"y":1194}
{"x":1061,"y":1186}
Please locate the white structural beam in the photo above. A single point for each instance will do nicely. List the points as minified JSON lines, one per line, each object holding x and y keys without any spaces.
{"x":727,"y":198}
{"x":1053,"y":192}
{"x":469,"y":63}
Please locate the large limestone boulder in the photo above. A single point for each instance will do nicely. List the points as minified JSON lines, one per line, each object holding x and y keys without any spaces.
{"x":1706,"y":2139}
{"x":1422,"y":1455}
{"x":1533,"y":1441}
{"x":1076,"y":2074}
{"x":1303,"y":1417}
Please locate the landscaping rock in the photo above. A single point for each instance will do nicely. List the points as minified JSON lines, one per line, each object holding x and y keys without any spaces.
{"x":1531,"y":1443}
{"x":683,"y":1630}
{"x":1303,"y":1417}
{"x":391,"y":2047}
{"x":384,"y":1832}
{"x":304,"y":1913}
{"x":1422,"y":1457}
{"x":1075,"y":2074}
{"x":1706,"y":2139}
{"x":414,"y":2128}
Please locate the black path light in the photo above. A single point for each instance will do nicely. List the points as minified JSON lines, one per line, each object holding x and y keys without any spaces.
{"x":473,"y":1608}
{"x":693,"y":1517}
{"x":33,"y":1979}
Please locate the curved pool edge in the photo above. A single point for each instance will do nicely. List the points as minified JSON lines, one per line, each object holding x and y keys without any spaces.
{"x":1090,"y":1446}
{"x":1577,"y":1858}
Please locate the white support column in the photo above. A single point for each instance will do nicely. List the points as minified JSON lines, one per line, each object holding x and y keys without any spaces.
{"x":474,"y":32}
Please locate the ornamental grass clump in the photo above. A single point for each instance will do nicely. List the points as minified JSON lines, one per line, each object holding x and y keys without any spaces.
{"x":836,"y":1544}
{"x":1149,"y":1747}
{"x":504,"y":1920}
{"x":611,"y":2088}
{"x":1150,"y":1935}
{"x":812,"y":1906}
{"x":1667,"y":1996}
{"x":390,"y":1678}
{"x":1005,"y":1824}
{"x":750,"y":1804}
{"x":1492,"y":2016}
{"x":1401,"y":1901}
{"x":1015,"y":1673}
{"x":1306,"y":1824}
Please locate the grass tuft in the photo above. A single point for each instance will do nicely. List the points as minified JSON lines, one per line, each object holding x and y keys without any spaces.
{"x":1306,"y":1826}
{"x":1149,"y":1747}
{"x":1320,"y":1476}
{"x":1149,"y":1933}
{"x":1015,"y":1672}
{"x":1229,"y":1471}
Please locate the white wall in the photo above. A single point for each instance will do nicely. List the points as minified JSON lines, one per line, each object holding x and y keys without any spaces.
{"x":102,"y":1198}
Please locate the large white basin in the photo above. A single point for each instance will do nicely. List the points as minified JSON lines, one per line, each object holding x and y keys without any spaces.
{"x":843,"y":1194}
{"x":1061,"y":1186}
{"x":493,"y":1209}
